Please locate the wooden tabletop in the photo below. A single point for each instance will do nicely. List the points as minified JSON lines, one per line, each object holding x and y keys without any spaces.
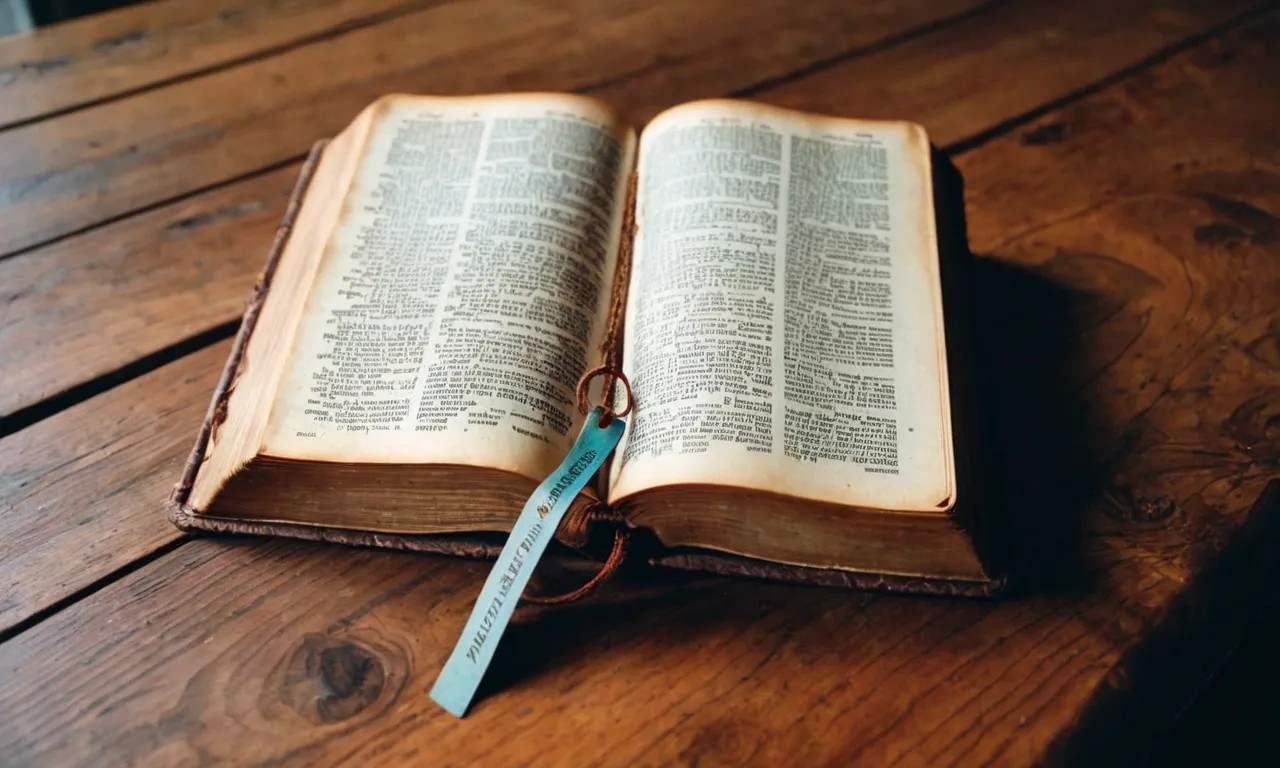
{"x":1122,"y":170}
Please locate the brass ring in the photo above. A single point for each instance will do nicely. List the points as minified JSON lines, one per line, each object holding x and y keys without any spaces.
{"x":601,"y":370}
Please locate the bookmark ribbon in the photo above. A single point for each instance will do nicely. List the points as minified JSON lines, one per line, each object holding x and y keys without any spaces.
{"x":530,"y":536}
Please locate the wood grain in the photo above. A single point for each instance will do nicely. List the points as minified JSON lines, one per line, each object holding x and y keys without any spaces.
{"x":78,"y":170}
{"x":68,"y":65}
{"x":133,"y":287}
{"x":81,"y":492}
{"x":1131,"y":305}
{"x":149,"y":281}
{"x":1155,"y":221}
{"x":975,"y":74}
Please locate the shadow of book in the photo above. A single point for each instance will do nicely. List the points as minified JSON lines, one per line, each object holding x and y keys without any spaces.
{"x":1039,"y":452}
{"x":1014,"y":339}
{"x":1024,"y":335}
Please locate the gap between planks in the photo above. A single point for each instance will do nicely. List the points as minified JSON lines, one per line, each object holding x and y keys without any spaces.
{"x":337,"y":30}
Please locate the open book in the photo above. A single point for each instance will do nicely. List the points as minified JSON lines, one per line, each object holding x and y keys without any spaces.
{"x":447,"y":274}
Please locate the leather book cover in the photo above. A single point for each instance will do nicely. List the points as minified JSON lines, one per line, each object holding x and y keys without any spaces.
{"x":480,"y":544}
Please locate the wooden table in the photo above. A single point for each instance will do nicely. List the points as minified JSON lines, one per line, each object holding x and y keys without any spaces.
{"x":1122,"y":164}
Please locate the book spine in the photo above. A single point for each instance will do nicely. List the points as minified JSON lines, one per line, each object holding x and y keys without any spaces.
{"x":611,"y":346}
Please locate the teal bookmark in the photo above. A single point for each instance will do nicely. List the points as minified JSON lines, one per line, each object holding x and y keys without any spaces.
{"x":532,"y":532}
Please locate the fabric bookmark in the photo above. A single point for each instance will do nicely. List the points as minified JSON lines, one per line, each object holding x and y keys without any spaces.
{"x":530,"y":536}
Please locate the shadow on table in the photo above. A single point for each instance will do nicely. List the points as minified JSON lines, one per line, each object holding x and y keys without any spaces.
{"x":1040,"y":464}
{"x":1021,"y":358}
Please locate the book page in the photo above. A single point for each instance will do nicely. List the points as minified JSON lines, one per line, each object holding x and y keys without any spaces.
{"x":465,"y":288}
{"x":784,"y":327}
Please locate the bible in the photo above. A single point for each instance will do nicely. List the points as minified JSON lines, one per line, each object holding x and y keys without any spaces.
{"x":771,"y":284}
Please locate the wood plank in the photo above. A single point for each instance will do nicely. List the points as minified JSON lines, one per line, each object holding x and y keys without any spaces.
{"x":950,"y":82}
{"x":1131,"y":244}
{"x":172,"y":281}
{"x":69,"y":65}
{"x":78,"y":170}
{"x":90,"y":305}
{"x":81,"y":492}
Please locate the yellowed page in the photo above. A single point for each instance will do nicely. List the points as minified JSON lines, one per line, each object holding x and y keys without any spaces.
{"x":785,"y":319}
{"x":234,"y":444}
{"x":465,"y":288}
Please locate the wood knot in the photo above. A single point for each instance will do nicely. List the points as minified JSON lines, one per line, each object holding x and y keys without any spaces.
{"x":1152,"y":509}
{"x":1120,"y":505}
{"x":328,"y":680}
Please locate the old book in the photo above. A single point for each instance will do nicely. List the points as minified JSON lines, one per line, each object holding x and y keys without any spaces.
{"x":450,"y":267}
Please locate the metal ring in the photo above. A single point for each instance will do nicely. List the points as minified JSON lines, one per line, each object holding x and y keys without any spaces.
{"x":604,"y":370}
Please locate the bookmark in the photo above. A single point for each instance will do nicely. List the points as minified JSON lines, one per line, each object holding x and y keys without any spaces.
{"x":532,"y":532}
